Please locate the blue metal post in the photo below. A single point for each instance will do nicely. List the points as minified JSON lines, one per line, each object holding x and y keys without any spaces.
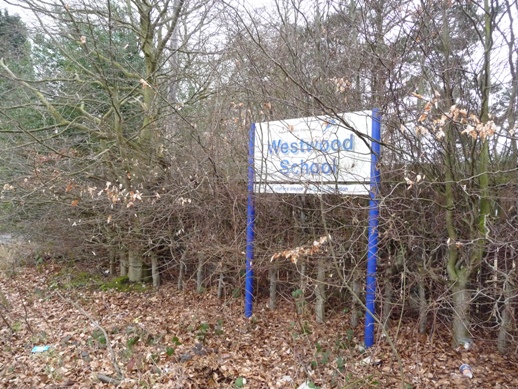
{"x":250,"y":230}
{"x":372,"y":251}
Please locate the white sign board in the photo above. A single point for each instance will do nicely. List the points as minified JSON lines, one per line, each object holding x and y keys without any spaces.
{"x":314,"y":155}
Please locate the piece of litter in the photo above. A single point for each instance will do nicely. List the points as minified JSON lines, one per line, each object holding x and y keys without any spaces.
{"x":40,"y":349}
{"x":465,"y":343}
{"x":370,"y":361}
{"x":466,"y":370}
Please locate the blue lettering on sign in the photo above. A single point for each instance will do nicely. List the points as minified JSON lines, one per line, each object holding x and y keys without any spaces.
{"x":328,"y":125}
{"x":308,"y":168}
{"x":282,"y":147}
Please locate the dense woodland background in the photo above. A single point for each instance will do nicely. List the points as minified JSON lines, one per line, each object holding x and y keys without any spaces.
{"x":124,"y":133}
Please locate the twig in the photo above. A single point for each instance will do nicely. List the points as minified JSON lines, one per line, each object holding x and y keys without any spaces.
{"x":5,"y":321}
{"x":26,"y":316}
{"x":108,"y":380}
{"x":108,"y":343}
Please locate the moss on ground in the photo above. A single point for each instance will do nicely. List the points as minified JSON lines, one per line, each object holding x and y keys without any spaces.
{"x":75,"y":279}
{"x":123,"y":284}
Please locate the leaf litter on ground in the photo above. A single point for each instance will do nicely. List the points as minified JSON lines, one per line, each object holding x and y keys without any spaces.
{"x":170,"y":339}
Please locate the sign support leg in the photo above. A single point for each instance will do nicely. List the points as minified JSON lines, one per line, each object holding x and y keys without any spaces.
{"x":250,"y":228}
{"x":372,"y":250}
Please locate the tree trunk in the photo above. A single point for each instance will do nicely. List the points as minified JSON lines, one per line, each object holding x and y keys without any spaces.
{"x":199,"y":275}
{"x":355,"y":315}
{"x":273,"y":286}
{"x":181,"y":271}
{"x":302,"y":272}
{"x":423,"y":307}
{"x":155,"y":273}
{"x":461,"y":304}
{"x":124,"y":263}
{"x":180,"y":275}
{"x":221,"y":282}
{"x":301,"y":301}
{"x":388,"y":294}
{"x":507,"y":318}
{"x":173,"y":80}
{"x":113,"y":260}
{"x":135,"y":268}
{"x":320,"y":304}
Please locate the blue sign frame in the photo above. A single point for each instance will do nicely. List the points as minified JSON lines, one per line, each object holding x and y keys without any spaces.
{"x":372,"y":249}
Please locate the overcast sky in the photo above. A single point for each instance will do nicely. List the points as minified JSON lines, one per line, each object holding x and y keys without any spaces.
{"x":11,"y":8}
{"x":26,"y":16}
